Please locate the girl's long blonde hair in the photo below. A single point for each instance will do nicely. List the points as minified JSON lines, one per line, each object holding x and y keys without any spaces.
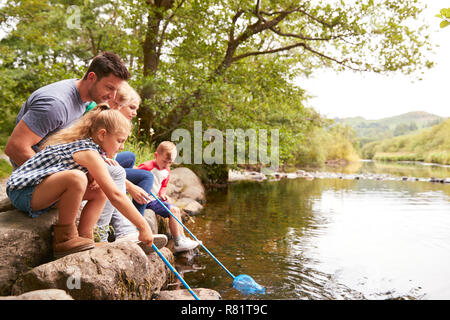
{"x":101,"y":117}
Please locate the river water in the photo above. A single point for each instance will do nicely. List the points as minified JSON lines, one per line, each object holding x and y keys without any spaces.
{"x":329,"y":238}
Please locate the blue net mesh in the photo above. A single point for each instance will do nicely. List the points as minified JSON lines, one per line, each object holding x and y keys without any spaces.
{"x":246,"y":285}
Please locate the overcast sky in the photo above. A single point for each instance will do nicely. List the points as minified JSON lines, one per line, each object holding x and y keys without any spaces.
{"x":371,"y":96}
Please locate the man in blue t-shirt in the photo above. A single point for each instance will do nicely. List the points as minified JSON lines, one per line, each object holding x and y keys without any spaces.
{"x":57,"y":105}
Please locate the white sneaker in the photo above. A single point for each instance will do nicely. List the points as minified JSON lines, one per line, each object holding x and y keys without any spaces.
{"x":159,"y":240}
{"x":128,"y":237}
{"x":185,"y":244}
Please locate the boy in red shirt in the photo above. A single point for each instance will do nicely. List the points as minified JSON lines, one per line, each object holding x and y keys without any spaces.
{"x":160,"y":167}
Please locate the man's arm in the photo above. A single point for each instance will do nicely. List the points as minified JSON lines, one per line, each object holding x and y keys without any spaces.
{"x":18,"y":148}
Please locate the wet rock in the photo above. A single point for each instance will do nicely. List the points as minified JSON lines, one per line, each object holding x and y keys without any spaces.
{"x":6,"y":205}
{"x":275,"y":176}
{"x":250,"y":176}
{"x":184,"y":183}
{"x":191,"y":206}
{"x":24,"y":244}
{"x":109,"y":272}
{"x":150,"y":217}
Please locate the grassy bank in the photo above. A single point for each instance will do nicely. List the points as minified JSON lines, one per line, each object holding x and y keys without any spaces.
{"x":428,"y":145}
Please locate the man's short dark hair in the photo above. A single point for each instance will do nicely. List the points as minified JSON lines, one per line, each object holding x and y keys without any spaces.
{"x":106,"y":63}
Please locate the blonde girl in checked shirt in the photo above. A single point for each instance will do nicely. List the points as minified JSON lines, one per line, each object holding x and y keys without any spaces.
{"x":61,"y":173}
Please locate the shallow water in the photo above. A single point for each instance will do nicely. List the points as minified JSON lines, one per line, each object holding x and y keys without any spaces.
{"x":327,"y":239}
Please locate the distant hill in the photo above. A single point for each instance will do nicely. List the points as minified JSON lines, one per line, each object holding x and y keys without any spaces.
{"x":428,"y":144}
{"x":373,"y":130}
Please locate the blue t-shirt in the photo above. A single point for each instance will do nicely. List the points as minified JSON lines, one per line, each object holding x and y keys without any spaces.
{"x":52,"y":108}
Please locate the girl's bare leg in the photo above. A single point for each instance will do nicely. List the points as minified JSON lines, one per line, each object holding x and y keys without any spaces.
{"x":175,"y":228}
{"x":90,"y":214}
{"x":67,"y":188}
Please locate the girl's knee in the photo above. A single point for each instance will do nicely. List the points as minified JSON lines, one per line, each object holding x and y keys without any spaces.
{"x":77,"y":179}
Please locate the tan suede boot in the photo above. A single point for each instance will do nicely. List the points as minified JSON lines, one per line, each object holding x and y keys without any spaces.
{"x":67,"y":241}
{"x":90,"y":235}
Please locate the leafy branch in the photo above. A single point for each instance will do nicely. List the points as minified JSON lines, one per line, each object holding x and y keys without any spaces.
{"x":444,"y":14}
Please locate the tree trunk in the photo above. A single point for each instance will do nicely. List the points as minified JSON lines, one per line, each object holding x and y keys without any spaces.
{"x":151,"y":53}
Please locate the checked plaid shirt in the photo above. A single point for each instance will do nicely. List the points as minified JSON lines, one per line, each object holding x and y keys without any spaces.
{"x":51,"y":160}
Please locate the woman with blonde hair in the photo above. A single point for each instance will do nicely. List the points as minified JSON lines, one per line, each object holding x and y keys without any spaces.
{"x":135,"y":181}
{"x":139,"y":182}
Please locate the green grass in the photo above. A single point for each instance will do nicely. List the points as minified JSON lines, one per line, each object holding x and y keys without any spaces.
{"x":429,"y":145}
{"x":5,"y":168}
{"x":142,"y":150}
{"x":395,"y":156}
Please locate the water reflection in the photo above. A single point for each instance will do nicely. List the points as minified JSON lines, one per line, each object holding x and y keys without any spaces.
{"x":327,"y":239}
{"x":399,"y":169}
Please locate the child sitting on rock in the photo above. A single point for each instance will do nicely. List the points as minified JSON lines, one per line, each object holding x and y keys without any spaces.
{"x":59,"y":174}
{"x":160,"y":167}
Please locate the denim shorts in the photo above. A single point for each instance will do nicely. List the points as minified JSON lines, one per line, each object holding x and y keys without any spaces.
{"x":158,"y":208}
{"x":21,"y":199}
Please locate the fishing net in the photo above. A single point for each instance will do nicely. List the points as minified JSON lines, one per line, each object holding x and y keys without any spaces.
{"x":246,"y":285}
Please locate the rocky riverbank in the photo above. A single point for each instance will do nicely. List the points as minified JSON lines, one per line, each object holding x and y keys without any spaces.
{"x":109,"y":272}
{"x":309,"y":175}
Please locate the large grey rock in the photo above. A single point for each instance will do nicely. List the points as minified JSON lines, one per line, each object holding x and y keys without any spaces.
{"x":184,"y":183}
{"x":190,"y":206}
{"x":184,"y":294}
{"x":150,"y":217}
{"x":6,"y":205}
{"x":47,"y":294}
{"x":109,"y":272}
{"x":24,"y":244}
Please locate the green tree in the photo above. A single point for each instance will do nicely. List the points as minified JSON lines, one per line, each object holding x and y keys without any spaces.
{"x":444,"y":14}
{"x":400,"y":129}
{"x":230,"y":63}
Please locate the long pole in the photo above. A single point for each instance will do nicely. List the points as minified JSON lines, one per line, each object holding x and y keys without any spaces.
{"x":195,"y":238}
{"x":174,"y":271}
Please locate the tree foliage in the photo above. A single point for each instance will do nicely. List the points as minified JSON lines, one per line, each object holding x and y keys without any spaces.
{"x":231,"y":64}
{"x":444,"y":14}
